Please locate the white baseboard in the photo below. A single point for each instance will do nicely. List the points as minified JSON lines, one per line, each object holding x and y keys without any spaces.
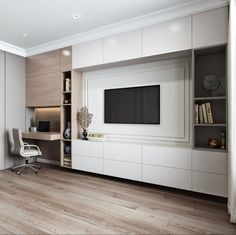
{"x":48,"y":161}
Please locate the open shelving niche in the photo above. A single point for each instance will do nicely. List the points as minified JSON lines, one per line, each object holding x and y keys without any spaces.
{"x":69,"y":112}
{"x":210,"y":61}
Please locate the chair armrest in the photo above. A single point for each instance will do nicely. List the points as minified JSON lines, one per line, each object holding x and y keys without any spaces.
{"x":33,"y":146}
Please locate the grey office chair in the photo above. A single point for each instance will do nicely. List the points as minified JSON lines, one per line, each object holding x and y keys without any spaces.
{"x":20,"y":148}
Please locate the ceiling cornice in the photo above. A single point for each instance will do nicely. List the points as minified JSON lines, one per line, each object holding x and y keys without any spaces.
{"x":182,"y":10}
{"x":12,"y":49}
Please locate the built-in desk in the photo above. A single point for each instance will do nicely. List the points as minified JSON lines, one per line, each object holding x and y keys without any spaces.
{"x":49,"y":136}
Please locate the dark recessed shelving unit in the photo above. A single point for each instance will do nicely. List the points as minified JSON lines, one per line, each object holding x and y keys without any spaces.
{"x":210,"y":61}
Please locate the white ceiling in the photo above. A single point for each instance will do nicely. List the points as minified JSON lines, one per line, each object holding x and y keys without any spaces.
{"x":48,"y":20}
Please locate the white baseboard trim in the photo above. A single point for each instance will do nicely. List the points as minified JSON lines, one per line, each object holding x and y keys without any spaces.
{"x":48,"y":161}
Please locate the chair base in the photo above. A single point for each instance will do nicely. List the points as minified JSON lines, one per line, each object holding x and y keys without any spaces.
{"x":26,"y":165}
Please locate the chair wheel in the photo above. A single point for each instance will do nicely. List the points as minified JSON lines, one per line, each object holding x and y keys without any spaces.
{"x":18,"y":173}
{"x":39,"y":167}
{"x":12,"y":169}
{"x":36,"y":172}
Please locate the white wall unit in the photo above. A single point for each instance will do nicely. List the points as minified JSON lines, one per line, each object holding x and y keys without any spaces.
{"x":167,"y":166}
{"x":210,"y":28}
{"x":214,"y":184}
{"x":167,"y":156}
{"x":87,"y":54}
{"x":15,"y":100}
{"x":87,"y":148}
{"x":123,"y":46}
{"x":165,"y":176}
{"x":121,"y":169}
{"x":123,"y":152}
{"x":90,"y":164}
{"x":173,"y":76}
{"x":2,"y":110}
{"x":211,"y":162}
{"x":166,"y":37}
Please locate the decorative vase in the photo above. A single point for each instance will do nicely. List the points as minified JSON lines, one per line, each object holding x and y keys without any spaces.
{"x":33,"y":129}
{"x":67,"y":84}
{"x":67,"y":131}
{"x":67,"y":149}
{"x":85,"y":133}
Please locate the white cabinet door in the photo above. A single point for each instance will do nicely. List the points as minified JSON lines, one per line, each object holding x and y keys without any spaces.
{"x":2,"y":111}
{"x":123,"y":152}
{"x":123,"y":46}
{"x":167,"y":156}
{"x":87,"y":148}
{"x":89,"y":164}
{"x":211,"y":162}
{"x":87,"y":54}
{"x":166,"y":37}
{"x":126,"y":170}
{"x":210,"y":28}
{"x":210,"y":183}
{"x":176,"y":178}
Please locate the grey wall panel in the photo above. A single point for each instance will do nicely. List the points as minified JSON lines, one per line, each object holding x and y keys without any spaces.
{"x":15,"y":100}
{"x":2,"y":110}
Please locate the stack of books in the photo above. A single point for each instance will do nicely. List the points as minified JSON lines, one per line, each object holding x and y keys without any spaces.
{"x":203,"y":114}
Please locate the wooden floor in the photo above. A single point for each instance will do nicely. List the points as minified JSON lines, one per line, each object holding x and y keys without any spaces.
{"x":67,"y":202}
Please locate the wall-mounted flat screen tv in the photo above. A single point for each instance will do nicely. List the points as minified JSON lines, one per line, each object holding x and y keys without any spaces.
{"x":133,"y":105}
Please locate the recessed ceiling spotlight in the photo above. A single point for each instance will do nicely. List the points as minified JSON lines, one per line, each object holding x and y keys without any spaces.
{"x":24,"y":34}
{"x":76,"y":16}
{"x":66,"y":53}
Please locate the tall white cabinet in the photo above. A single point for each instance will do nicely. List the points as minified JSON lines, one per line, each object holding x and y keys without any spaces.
{"x":12,"y":78}
{"x":2,"y":110}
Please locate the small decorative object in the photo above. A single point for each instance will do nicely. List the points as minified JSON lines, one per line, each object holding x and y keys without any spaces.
{"x":211,"y":82}
{"x":213,"y":143}
{"x":67,"y":101}
{"x":223,"y":140}
{"x":96,"y":136}
{"x":67,"y":84}
{"x":85,"y":119}
{"x":67,"y":149}
{"x":67,"y":131}
{"x":33,"y":125}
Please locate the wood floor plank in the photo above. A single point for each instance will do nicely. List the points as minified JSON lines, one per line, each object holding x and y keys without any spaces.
{"x":58,"y":201}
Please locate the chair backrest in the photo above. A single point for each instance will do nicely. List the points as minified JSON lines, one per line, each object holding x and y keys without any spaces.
{"x":16,"y":142}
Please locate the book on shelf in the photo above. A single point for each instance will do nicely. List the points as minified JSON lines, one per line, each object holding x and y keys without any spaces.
{"x":200,"y":115}
{"x":209,"y":113}
{"x":204,"y":114}
{"x":196,"y":113}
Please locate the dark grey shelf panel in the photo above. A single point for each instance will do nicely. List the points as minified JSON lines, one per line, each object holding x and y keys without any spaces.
{"x":210,"y":149}
{"x":211,"y":98}
{"x":213,"y":125}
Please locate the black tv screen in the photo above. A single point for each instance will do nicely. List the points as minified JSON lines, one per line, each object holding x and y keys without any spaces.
{"x":133,"y":105}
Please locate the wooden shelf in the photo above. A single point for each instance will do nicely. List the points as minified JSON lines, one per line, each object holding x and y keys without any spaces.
{"x":210,"y":98}
{"x":50,"y":136}
{"x":212,"y":125}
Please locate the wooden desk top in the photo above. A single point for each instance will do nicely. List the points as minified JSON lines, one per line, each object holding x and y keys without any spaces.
{"x":50,"y":136}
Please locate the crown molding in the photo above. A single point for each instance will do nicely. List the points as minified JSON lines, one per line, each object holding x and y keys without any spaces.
{"x":186,"y":9}
{"x":12,"y":49}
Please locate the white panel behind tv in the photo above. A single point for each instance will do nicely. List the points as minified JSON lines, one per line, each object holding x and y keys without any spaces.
{"x":173,"y":76}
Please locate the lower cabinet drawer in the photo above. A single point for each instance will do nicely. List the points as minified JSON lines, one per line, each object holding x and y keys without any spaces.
{"x":90,"y":164}
{"x":121,"y":169}
{"x":210,"y":162}
{"x":171,"y":177}
{"x":210,"y":183}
